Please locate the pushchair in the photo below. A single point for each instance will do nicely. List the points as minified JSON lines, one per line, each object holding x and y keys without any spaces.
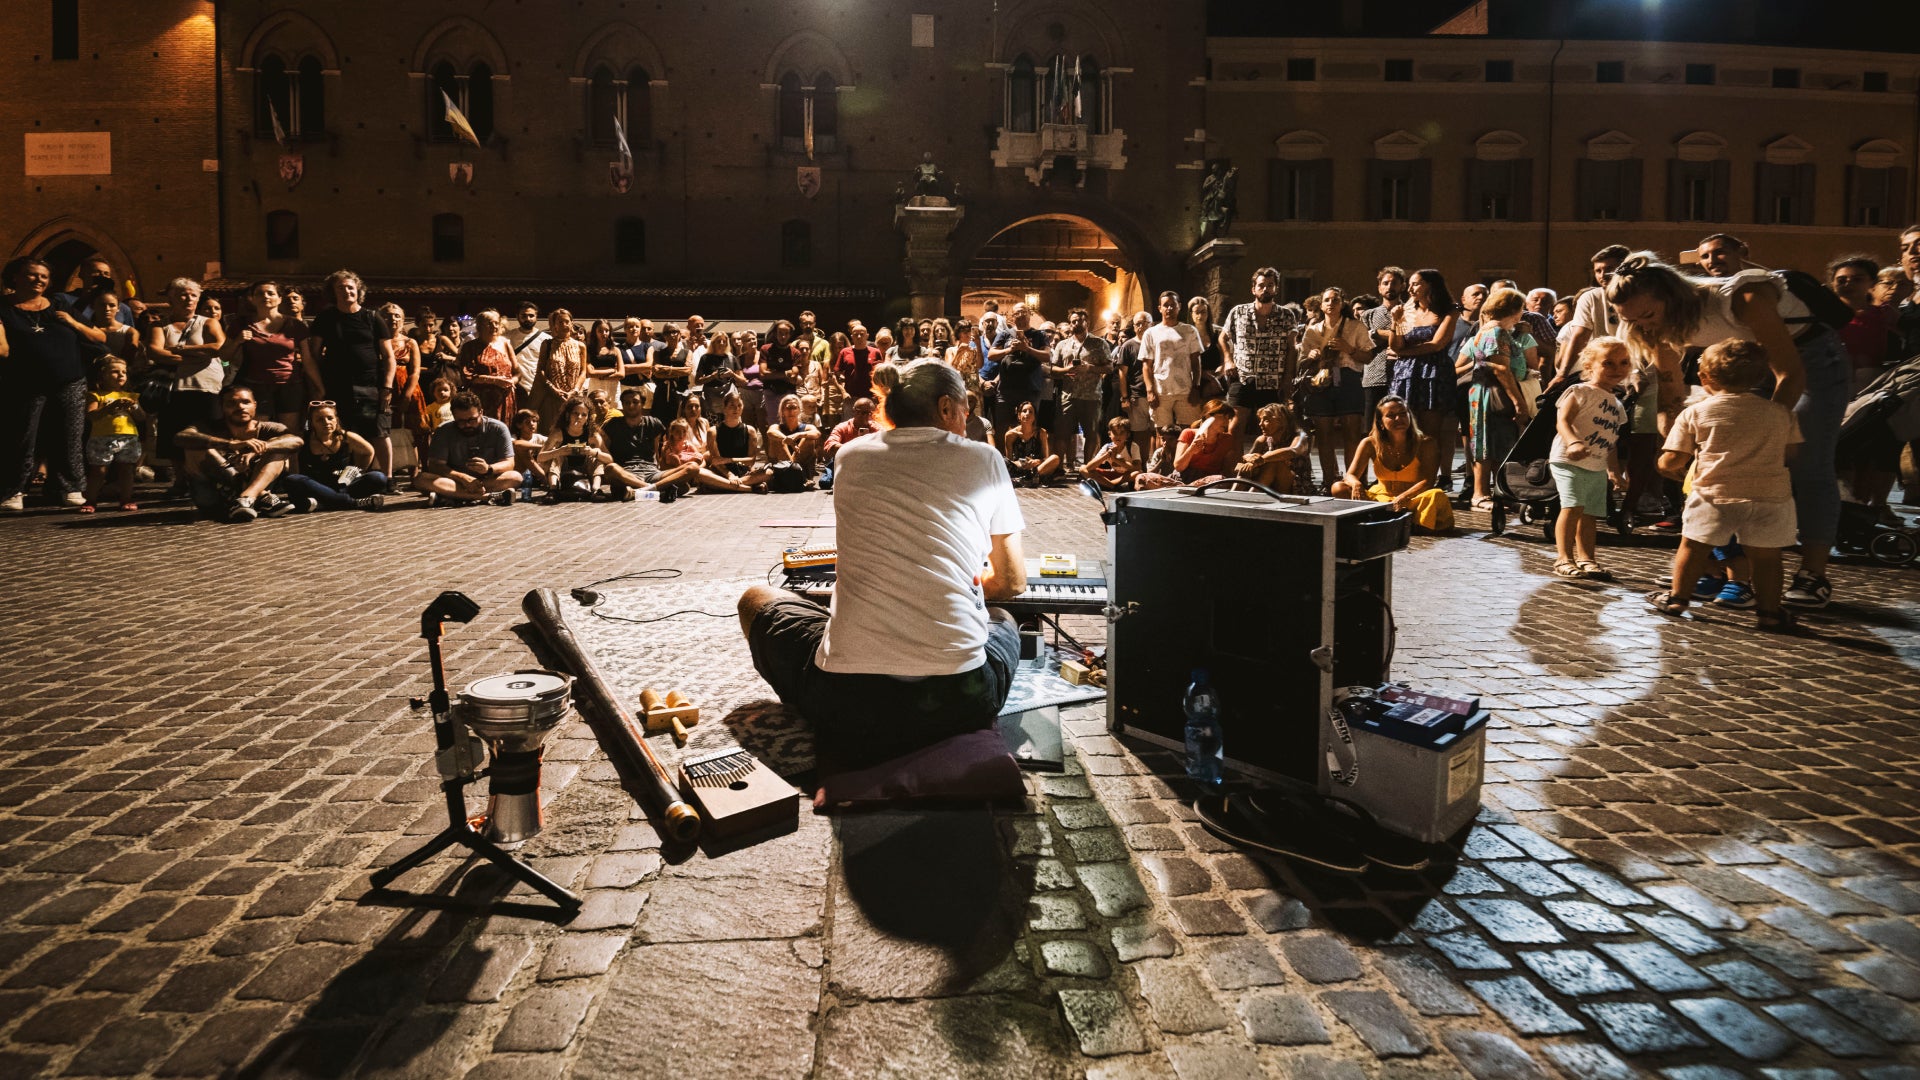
{"x":1886,"y":408}
{"x":1523,"y":485}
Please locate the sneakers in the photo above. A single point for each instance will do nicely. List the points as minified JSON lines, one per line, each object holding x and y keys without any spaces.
{"x":1808,"y":591}
{"x":372,"y":502}
{"x":14,"y":504}
{"x":143,"y":474}
{"x":305,"y":504}
{"x":1707,"y":588}
{"x":502,"y":498}
{"x":1735,"y":595}
{"x":273,"y":506}
{"x":74,"y":498}
{"x":242,"y":510}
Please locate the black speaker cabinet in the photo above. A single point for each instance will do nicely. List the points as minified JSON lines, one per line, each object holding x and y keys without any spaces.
{"x":1280,"y":598}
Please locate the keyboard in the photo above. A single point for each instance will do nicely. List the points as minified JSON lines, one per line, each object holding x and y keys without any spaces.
{"x":1083,"y":594}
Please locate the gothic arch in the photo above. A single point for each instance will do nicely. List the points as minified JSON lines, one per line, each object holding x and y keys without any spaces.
{"x":808,"y":52}
{"x":463,"y":40}
{"x":622,"y":47}
{"x":59,"y":230}
{"x":289,"y":33}
{"x":1026,"y":25}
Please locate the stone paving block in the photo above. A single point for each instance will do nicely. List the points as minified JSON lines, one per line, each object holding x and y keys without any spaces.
{"x":69,"y":1022}
{"x":546,"y":1018}
{"x":580,"y":955}
{"x":1736,"y":1027}
{"x":193,"y":919}
{"x":1139,"y":940}
{"x":520,"y":1067}
{"x":297,"y":974}
{"x":1817,"y":934}
{"x":1523,"y":1006}
{"x":1073,"y":959}
{"x":1640,"y":1028}
{"x":1054,"y":913}
{"x":1102,"y":1022}
{"x":1378,"y":1021}
{"x":760,"y":1000}
{"x":1469,"y":951}
{"x":1896,"y":977}
{"x":1748,"y":980}
{"x":1662,"y":971}
{"x":1512,"y":922}
{"x":607,"y":909}
{"x":1587,"y":1061}
{"x":1689,"y":902}
{"x":249,"y":938}
{"x":971,"y":1037}
{"x":1115,"y":888}
{"x":123,"y":1048}
{"x":1426,"y":987}
{"x":1241,"y":964}
{"x":1180,"y":1001}
{"x":200,"y":988}
{"x":1282,"y":1019}
{"x":1587,"y":918}
{"x":62,"y":965}
{"x":1201,"y":916}
{"x":1824,"y":1029}
{"x":1275,"y":913}
{"x":1679,"y":934}
{"x":1214,"y":1061}
{"x":772,"y":889}
{"x":1899,"y":936}
{"x":1322,"y":1067}
{"x":1575,"y":972}
{"x":222,"y":1043}
{"x":1797,"y":886}
{"x":1489,"y":1056}
{"x":1532,"y":878}
{"x":1176,"y":875}
{"x":481,"y":970}
{"x":622,"y":869}
{"x":1319,"y":958}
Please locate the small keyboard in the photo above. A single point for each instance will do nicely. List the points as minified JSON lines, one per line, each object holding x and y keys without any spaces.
{"x":1083,"y":594}
{"x":800,"y":558}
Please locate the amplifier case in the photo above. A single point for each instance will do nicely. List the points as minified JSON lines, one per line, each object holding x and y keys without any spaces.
{"x":1281,"y":599}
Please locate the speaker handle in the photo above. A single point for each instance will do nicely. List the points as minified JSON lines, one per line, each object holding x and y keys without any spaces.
{"x":1242,"y":481}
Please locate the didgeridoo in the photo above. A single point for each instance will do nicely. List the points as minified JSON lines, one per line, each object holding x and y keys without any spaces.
{"x":543,"y":611}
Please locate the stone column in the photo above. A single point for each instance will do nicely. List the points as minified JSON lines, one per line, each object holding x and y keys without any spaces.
{"x":928,"y":222}
{"x":1210,"y":270}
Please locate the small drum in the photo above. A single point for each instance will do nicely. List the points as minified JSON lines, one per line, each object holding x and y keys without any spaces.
{"x":512,"y":714}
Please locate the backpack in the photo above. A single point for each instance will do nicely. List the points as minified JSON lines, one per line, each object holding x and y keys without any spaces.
{"x":1827,"y":309}
{"x":787,"y":478}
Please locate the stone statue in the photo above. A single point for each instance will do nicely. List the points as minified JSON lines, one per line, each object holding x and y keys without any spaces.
{"x":1218,"y":199}
{"x":926,"y":177}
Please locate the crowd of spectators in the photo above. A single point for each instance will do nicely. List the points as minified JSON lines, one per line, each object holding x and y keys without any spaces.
{"x":272,"y":408}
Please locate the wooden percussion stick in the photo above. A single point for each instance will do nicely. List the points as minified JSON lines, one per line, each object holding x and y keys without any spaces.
{"x":681,"y":821}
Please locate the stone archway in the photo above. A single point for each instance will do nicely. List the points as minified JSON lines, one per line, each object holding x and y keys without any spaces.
{"x":64,"y":243}
{"x":1057,"y":261}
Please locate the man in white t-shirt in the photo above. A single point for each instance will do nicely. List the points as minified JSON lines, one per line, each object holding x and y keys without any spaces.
{"x":1171,"y":350}
{"x":1592,"y":317}
{"x":525,"y":338}
{"x":929,"y":532}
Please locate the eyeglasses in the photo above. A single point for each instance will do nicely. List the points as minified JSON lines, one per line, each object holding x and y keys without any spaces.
{"x":320,"y":405}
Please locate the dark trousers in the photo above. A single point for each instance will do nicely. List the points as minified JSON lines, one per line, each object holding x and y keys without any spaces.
{"x":51,"y":420}
{"x":329,"y":497}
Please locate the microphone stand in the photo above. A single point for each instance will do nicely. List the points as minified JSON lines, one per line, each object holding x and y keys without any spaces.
{"x":455,"y":755}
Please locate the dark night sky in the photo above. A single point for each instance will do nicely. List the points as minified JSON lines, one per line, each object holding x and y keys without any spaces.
{"x":1878,"y":25}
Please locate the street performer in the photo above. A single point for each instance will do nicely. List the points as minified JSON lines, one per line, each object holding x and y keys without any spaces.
{"x":928,"y":534}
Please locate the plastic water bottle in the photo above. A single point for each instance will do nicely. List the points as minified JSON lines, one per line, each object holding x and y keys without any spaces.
{"x":1206,"y":749}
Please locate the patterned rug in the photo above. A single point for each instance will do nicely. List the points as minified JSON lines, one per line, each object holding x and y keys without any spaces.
{"x":705,"y":657}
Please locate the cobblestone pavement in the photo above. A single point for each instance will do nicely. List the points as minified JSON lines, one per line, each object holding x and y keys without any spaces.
{"x":1699,"y":855}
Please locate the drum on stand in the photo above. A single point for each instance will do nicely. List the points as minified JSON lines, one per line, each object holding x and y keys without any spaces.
{"x":512,"y":714}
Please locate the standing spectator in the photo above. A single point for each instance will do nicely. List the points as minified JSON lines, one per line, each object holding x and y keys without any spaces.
{"x":718,"y":375}
{"x":525,"y":340}
{"x":1171,"y":349}
{"x":1392,"y":282}
{"x":907,"y":342}
{"x":1494,"y":364}
{"x":1592,"y":317}
{"x":1132,"y":380}
{"x":1080,"y":365}
{"x":211,"y":310}
{"x":1892,"y":288}
{"x":823,"y":393}
{"x":438,"y":349}
{"x":942,"y":340}
{"x":266,"y":353}
{"x":1585,"y":455}
{"x":820,"y":351}
{"x":470,"y":459}
{"x":188,"y":346}
{"x":1465,"y":327}
{"x":1014,"y":365}
{"x":562,"y":371}
{"x":1722,"y":256}
{"x":1200,"y":315}
{"x":1870,"y":461}
{"x":1421,"y":331}
{"x":95,"y":280}
{"x":296,"y":304}
{"x":604,"y":365}
{"x":783,"y":367}
{"x":853,"y":370}
{"x":1338,"y":346}
{"x":1562,"y":312}
{"x":334,"y":470}
{"x":636,"y":350}
{"x":351,"y":362}
{"x":486,"y":368}
{"x":753,"y":388}
{"x":407,"y":396}
{"x":1666,"y":311}
{"x":1539,"y":325}
{"x":115,"y":420}
{"x":1543,"y":301}
{"x":1258,"y":359}
{"x":674,"y":360}
{"x":1906,"y":319}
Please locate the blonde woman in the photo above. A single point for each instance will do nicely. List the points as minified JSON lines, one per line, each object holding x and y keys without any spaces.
{"x":563,"y":368}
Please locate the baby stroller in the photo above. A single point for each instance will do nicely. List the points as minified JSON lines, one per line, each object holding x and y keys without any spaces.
{"x":1523,"y":484}
{"x":1886,"y":410}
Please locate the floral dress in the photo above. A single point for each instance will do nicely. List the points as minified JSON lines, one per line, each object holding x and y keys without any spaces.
{"x":1490,"y":417}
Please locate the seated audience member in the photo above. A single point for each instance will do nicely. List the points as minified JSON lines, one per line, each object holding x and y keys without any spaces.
{"x":573,"y":451}
{"x":1404,"y":459}
{"x":527,"y":442}
{"x":1207,"y":450}
{"x":688,"y":452}
{"x":1115,"y":466}
{"x":978,"y":429}
{"x":470,"y":459}
{"x":115,"y":421}
{"x":1030,"y":457}
{"x":603,"y":408}
{"x":335,"y":468}
{"x":633,"y":445}
{"x":793,"y":439}
{"x":733,"y":446}
{"x":1279,"y":456}
{"x":231,"y":464}
{"x":858,"y":424}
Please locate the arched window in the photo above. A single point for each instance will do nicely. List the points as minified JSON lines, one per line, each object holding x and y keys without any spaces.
{"x":479,"y":103}
{"x":638,"y":114}
{"x":796,"y":245}
{"x":603,"y":104}
{"x":283,"y":234}
{"x":273,"y":98}
{"x":793,"y":113}
{"x":1021,"y":95}
{"x":313,"y":98}
{"x":1093,"y":97}
{"x":441,"y":81}
{"x":826,"y":111}
{"x":449,"y":238}
{"x":630,"y":241}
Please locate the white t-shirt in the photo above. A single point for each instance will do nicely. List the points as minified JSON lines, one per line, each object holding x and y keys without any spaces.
{"x":1169,"y":352}
{"x":526,"y":353}
{"x":1598,"y":425}
{"x":1717,"y":323}
{"x":917,"y":509}
{"x":1592,"y":311}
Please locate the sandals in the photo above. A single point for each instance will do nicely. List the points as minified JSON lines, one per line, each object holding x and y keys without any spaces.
{"x":1776,"y":622}
{"x":85,"y":508}
{"x":1593,"y":571}
{"x":1568,"y":569}
{"x":1481,"y":504}
{"x":1666,"y":603}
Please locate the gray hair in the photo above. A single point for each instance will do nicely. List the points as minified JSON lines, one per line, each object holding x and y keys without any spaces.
{"x":914,"y":390}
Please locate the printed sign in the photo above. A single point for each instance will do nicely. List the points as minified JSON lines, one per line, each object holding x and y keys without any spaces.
{"x":69,"y":153}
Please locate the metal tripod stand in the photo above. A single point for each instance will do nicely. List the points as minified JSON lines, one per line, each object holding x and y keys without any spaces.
{"x":456,"y":771}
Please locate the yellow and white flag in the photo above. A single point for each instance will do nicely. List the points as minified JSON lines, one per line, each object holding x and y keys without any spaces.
{"x":458,"y":120}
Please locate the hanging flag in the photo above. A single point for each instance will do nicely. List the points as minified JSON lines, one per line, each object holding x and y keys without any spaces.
{"x":1077,"y":114}
{"x":620,"y":137}
{"x":458,"y":120}
{"x":279,"y":133}
{"x":807,"y":127}
{"x":621,"y":172}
